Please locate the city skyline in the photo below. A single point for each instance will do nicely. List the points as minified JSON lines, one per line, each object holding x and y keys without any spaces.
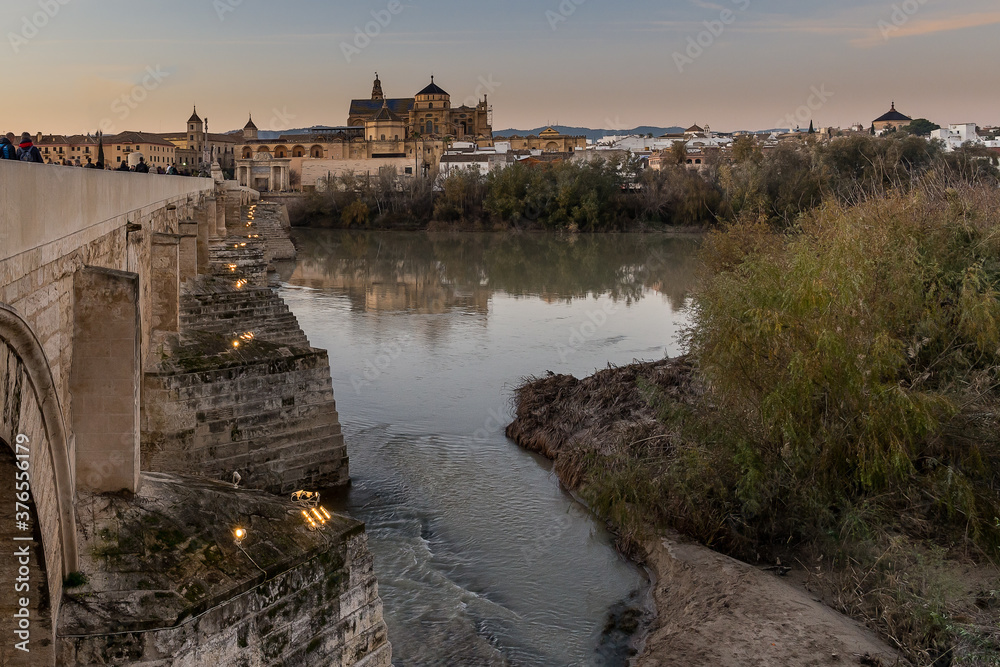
{"x":733,"y":64}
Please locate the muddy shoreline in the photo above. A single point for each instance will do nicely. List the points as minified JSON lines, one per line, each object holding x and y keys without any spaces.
{"x":709,"y":609}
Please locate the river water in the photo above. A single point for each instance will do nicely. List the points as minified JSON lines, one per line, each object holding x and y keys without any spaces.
{"x":481,"y":557}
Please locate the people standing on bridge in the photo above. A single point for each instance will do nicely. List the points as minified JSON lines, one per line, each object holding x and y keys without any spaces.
{"x":27,"y":151}
{"x":7,"y":149}
{"x":89,"y":165}
{"x":124,"y":166}
{"x":142,"y":167}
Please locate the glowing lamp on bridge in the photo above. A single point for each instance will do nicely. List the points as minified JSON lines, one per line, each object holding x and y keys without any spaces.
{"x":240,"y":534}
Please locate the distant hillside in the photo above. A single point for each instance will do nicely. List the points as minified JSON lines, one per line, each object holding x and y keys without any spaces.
{"x":588,"y":132}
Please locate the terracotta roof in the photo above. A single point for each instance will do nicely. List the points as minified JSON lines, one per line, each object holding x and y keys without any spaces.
{"x":67,"y":140}
{"x":223,"y":138}
{"x":130,"y":137}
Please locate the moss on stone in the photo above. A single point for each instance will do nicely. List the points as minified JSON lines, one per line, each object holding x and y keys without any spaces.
{"x":75,"y":580}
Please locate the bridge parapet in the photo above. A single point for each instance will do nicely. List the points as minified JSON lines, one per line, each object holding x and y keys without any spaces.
{"x":46,"y":203}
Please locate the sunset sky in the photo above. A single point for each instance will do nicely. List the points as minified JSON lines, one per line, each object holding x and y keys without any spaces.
{"x":142,"y":64}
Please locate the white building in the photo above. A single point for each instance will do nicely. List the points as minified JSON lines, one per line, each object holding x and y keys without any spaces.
{"x":636,"y":143}
{"x":955,"y":135}
{"x":468,"y":157}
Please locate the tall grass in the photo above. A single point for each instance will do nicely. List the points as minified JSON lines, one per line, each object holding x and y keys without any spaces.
{"x":856,"y":362}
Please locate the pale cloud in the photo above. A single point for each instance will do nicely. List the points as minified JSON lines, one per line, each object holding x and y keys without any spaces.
{"x":703,"y":4}
{"x":914,"y":27}
{"x":760,"y":27}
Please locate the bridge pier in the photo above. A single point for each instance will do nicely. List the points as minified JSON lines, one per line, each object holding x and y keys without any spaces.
{"x":187,"y":253}
{"x":220,"y":216}
{"x":203,"y":232}
{"x":207,"y":212}
{"x":105,"y":379}
{"x":165,"y":282}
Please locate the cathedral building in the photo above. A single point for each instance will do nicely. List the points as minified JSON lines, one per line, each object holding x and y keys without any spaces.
{"x":409,"y":135}
{"x":429,"y":114}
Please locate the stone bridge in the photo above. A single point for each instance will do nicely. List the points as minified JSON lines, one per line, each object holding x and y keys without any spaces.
{"x":143,"y":358}
{"x":78,"y":301}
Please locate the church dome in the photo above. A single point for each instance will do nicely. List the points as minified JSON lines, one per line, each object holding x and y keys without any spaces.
{"x":385,"y":114}
{"x":892,"y":116}
{"x":432,"y":89}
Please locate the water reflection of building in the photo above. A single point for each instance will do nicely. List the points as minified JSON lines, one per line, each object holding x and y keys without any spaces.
{"x":440,"y":273}
{"x":412,"y":291}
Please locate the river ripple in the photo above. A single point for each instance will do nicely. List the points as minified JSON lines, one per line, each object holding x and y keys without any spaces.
{"x":481,"y":558}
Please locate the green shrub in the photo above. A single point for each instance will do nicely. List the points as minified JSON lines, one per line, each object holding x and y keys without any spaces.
{"x":855,"y":362}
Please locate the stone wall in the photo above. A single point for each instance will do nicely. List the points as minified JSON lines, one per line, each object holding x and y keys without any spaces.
{"x":267,"y":414}
{"x":240,"y":389}
{"x":70,"y":205}
{"x":230,"y":383}
{"x":174,"y":588}
{"x":275,"y":227}
{"x":73,"y":219}
{"x":38,"y":282}
{"x":105,"y":379}
{"x":314,"y":171}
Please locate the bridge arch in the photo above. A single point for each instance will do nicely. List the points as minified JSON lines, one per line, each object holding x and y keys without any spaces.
{"x":30,"y":407}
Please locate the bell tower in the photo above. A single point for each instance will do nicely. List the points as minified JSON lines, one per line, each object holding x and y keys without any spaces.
{"x":196,"y":131}
{"x":250,"y":130}
{"x":377,"y":89}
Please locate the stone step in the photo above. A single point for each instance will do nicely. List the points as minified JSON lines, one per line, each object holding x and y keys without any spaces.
{"x":268,"y":412}
{"x":209,"y":313}
{"x":301,"y":389}
{"x":267,"y":318}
